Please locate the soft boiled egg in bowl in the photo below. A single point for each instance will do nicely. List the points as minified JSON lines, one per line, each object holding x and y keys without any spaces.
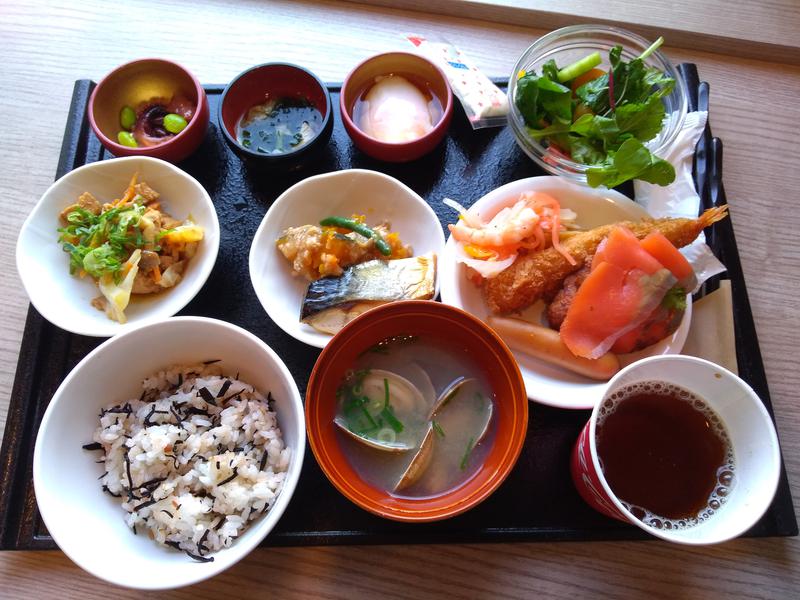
{"x":396,"y":106}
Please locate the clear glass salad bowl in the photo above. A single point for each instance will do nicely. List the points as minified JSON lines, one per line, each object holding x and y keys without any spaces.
{"x":570,"y":44}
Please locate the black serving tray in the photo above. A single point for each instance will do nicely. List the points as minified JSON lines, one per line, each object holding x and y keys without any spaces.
{"x":536,"y":502}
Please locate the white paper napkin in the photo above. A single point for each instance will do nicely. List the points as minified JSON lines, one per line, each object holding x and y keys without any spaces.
{"x":711,"y":334}
{"x":680,"y":199}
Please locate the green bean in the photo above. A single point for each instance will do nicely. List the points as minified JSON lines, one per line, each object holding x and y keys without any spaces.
{"x":359,"y":228}
{"x":127,"y":118}
{"x":126,"y":139}
{"x":174,"y":123}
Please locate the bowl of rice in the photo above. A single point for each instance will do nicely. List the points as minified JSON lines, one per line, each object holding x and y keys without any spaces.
{"x":169,"y":453}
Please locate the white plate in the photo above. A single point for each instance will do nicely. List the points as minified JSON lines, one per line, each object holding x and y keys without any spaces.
{"x":548,"y":384}
{"x":341,"y":193}
{"x":64,"y":299}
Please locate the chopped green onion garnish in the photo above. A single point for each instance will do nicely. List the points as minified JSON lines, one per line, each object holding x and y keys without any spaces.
{"x":467,"y":452}
{"x":393,"y":421}
{"x":437,"y":428}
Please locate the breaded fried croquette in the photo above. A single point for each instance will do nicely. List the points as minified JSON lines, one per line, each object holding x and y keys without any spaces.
{"x":540,"y":274}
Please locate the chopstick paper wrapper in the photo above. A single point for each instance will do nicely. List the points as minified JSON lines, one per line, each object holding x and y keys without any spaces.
{"x":711,"y":334}
{"x":484,"y":103}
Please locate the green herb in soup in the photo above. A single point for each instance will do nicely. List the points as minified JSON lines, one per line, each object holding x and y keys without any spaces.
{"x":381,"y":408}
{"x":279,"y":126}
{"x":600,"y":118}
{"x":415,"y":416}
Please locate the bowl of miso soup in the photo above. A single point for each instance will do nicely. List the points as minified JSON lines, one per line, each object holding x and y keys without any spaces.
{"x":416,"y":411}
{"x":276,"y":114}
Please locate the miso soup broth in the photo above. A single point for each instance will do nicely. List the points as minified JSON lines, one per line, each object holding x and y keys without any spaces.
{"x":415,"y":416}
{"x":279,"y":126}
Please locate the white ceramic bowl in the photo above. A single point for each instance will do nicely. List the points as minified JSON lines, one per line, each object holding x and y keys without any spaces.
{"x":545,"y":383}
{"x":341,"y":193}
{"x":87,"y":524}
{"x":64,"y":299}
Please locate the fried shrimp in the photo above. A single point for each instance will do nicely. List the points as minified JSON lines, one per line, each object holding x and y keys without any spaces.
{"x":539,"y":274}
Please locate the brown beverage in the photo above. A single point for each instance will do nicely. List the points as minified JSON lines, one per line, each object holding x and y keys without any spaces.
{"x":664,"y":453}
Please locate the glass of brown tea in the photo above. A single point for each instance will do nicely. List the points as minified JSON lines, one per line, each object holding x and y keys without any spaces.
{"x":680,"y":447}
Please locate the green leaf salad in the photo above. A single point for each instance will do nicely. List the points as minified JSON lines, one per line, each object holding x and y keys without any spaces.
{"x":600,"y":118}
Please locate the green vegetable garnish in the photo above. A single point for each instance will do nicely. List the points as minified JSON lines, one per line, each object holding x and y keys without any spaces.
{"x":371,"y":421}
{"x":579,"y":67}
{"x":174,"y":123}
{"x":467,"y":452}
{"x":126,"y":139}
{"x":100,"y":244}
{"x":360,"y":228}
{"x":675,"y":299}
{"x":127,"y":118}
{"x":386,"y":412}
{"x":393,"y":421}
{"x":356,"y":407}
{"x":437,"y":428}
{"x":606,"y":121}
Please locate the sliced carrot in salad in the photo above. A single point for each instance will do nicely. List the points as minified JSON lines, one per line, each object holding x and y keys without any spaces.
{"x":586,"y":78}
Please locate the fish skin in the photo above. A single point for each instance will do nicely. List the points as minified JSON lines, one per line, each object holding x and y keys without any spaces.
{"x":374,"y":281}
{"x":540,"y":274}
{"x":334,"y":319}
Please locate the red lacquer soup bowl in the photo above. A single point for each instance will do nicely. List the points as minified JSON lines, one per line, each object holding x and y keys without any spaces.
{"x":137,"y":83}
{"x":450,"y":329}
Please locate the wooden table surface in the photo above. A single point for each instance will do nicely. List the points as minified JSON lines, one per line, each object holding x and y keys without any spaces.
{"x":44,"y":47}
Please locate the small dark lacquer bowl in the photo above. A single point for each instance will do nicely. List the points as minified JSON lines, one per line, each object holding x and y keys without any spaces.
{"x":140,"y":81}
{"x":419,"y":71}
{"x":279,"y":81}
{"x":466,"y":336}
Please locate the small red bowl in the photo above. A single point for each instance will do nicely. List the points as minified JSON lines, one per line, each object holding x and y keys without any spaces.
{"x":464,"y":333}
{"x":276,"y":80}
{"x":138,"y":81}
{"x":363,"y":77}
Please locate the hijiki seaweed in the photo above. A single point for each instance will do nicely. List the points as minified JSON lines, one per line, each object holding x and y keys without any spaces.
{"x":181,"y":418}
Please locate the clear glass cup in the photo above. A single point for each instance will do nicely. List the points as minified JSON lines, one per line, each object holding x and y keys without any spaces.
{"x":569,"y":44}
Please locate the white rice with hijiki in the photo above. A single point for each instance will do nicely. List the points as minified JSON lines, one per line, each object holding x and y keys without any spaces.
{"x":194,"y":459}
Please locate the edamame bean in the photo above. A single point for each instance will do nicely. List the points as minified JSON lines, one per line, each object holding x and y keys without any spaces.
{"x":126,"y":139}
{"x":127,"y":118}
{"x":174,"y":123}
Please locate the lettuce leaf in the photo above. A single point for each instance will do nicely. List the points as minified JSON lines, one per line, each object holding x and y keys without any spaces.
{"x":631,"y":161}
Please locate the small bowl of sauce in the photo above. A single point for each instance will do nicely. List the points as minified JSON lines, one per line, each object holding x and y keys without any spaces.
{"x":396,"y":106}
{"x":276,"y":114}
